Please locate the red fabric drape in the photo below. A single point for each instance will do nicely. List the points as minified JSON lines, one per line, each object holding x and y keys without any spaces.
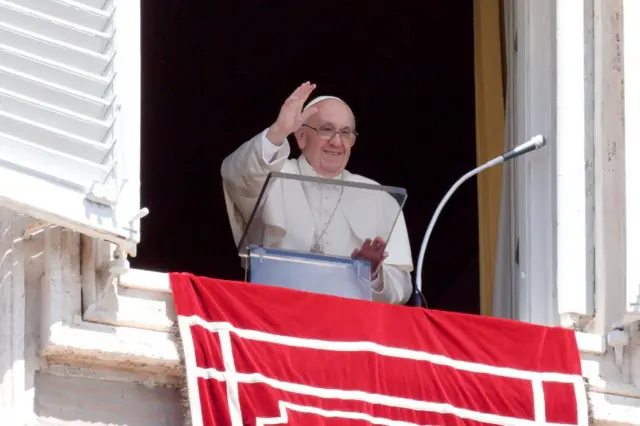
{"x":258,"y":355}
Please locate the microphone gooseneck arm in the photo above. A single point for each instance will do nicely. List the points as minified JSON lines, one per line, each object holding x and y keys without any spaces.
{"x":531,"y":145}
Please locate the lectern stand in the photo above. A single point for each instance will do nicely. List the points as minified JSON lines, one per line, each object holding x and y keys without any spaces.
{"x":279,"y":238}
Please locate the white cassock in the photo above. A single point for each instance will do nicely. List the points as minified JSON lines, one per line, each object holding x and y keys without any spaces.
{"x":298,"y":215}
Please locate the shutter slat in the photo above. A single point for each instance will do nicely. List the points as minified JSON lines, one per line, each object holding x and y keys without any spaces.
{"x":54,"y":50}
{"x":57,"y":73}
{"x":70,"y":32}
{"x":71,"y":11}
{"x":70,"y":114}
{"x":71,"y":170}
{"x":53,"y":138}
{"x":60,"y":68}
{"x":50,"y":115}
{"x":43,"y":91}
{"x":96,"y":4}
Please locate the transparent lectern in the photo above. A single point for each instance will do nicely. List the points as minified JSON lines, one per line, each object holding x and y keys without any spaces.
{"x":303,"y":230}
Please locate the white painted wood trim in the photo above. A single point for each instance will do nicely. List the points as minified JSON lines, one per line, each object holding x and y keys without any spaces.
{"x":573,"y":90}
{"x":535,"y":172}
{"x":128,"y":89}
{"x":505,"y":302}
{"x":67,"y":196}
{"x":631,"y":40}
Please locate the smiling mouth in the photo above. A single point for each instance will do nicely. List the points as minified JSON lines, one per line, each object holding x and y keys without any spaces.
{"x":332,"y":154}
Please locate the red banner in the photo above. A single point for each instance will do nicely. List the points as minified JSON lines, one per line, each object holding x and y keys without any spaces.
{"x":261,"y":355}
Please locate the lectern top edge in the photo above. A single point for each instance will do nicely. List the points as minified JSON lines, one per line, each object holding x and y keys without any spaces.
{"x":393,"y":190}
{"x":372,"y":209}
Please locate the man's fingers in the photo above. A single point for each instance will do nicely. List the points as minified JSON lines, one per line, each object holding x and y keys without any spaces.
{"x":296,"y":100}
{"x":299,"y":89}
{"x":306,"y":91}
{"x":308,"y":113}
{"x":355,"y":253}
{"x":378,"y":245}
{"x":303,"y":91}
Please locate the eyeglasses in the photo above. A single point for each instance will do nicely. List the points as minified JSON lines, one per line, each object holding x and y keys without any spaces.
{"x":327,"y":133}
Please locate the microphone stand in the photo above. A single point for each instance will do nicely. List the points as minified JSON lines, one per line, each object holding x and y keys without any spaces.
{"x":537,"y":142}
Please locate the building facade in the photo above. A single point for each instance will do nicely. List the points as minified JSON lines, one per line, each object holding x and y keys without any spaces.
{"x":88,"y":339}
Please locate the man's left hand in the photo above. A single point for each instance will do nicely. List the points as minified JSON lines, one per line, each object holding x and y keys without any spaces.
{"x":374,"y":252}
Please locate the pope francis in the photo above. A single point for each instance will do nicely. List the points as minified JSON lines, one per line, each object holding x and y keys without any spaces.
{"x":321,"y":218}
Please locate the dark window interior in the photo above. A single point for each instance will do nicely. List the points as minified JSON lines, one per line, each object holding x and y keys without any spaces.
{"x":215,"y":74}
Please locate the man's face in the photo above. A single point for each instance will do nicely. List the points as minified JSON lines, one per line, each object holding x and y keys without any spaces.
{"x":328,"y":157}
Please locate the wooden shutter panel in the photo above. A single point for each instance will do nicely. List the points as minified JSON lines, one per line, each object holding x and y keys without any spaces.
{"x":70,"y":114}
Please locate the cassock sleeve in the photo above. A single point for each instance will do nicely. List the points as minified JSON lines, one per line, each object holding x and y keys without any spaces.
{"x":270,"y":150}
{"x":393,"y":285}
{"x":244,"y":172}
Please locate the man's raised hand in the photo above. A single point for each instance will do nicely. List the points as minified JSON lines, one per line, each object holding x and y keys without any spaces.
{"x":291,"y":116}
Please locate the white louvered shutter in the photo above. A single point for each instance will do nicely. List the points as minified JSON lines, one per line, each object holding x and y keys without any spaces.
{"x":70,"y":114}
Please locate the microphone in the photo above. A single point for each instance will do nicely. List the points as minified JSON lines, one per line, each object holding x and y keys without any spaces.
{"x":532,"y":144}
{"x":537,"y":142}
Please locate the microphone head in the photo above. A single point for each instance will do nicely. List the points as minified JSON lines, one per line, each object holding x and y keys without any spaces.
{"x":539,"y":141}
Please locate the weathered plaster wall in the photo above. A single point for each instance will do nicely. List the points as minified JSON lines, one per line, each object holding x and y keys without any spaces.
{"x":80,"y":401}
{"x":90,"y":374}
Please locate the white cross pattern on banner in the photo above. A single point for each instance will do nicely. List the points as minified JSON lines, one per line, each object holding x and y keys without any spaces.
{"x":234,"y":381}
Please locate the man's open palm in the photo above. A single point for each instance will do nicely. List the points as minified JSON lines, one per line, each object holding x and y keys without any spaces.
{"x":374,"y":252}
{"x":291,"y":116}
